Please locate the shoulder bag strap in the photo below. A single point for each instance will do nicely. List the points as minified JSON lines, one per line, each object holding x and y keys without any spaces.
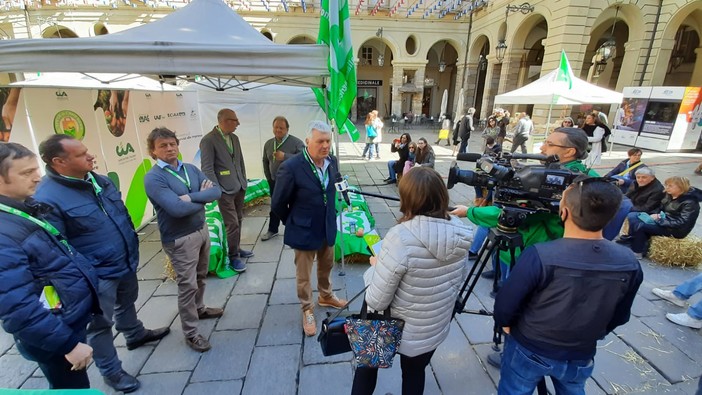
{"x":630,"y":169}
{"x":332,"y":317}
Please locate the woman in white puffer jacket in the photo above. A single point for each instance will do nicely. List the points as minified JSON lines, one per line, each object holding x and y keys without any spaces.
{"x":418,"y":273}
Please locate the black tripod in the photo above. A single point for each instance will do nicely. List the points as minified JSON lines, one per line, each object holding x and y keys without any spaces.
{"x":503,"y":238}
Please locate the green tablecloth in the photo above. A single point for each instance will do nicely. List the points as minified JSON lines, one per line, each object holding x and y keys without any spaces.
{"x":256,"y":188}
{"x":219,"y":258}
{"x":362,"y":218}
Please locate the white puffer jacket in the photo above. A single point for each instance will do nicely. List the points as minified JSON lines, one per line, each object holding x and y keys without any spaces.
{"x":419,"y":272}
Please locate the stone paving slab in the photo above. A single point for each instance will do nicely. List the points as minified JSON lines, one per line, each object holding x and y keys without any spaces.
{"x":163,"y":383}
{"x":250,"y":229}
{"x":455,"y":364}
{"x":619,"y":369}
{"x":477,"y":329}
{"x":6,"y":341}
{"x":273,"y":370}
{"x":14,"y":370}
{"x":312,"y":351}
{"x":672,"y":363}
{"x":167,"y":288}
{"x":146,"y":290}
{"x":267,"y":251}
{"x":214,"y":387}
{"x":217,"y":290}
{"x":684,"y":339}
{"x":172,"y":353}
{"x":286,"y":266}
{"x":132,"y":362}
{"x":284,"y":291}
{"x":154,"y":269}
{"x":257,"y":279}
{"x":147,"y":251}
{"x":326,"y":379}
{"x":243,"y":312}
{"x":229,"y":359}
{"x":282,"y":324}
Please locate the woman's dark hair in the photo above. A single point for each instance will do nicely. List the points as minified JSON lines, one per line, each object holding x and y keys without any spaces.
{"x":422,"y":153}
{"x":423,"y":192}
{"x":409,"y":138}
{"x":159,"y":133}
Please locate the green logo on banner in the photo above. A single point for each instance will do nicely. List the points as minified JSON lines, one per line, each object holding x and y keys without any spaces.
{"x":121,"y":150}
{"x":68,"y":122}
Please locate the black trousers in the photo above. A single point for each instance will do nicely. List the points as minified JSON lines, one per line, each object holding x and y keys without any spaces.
{"x":413,"y":376}
{"x":274,"y":222}
{"x":55,"y":367}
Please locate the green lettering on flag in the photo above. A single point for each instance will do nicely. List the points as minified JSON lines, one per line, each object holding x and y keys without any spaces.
{"x":565,"y":73}
{"x":335,"y":32}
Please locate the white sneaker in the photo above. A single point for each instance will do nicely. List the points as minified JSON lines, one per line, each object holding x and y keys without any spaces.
{"x":684,"y":319}
{"x":669,"y":296}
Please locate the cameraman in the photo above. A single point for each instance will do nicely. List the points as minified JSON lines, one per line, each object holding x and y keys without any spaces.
{"x":570,"y":144}
{"x":557,"y":304}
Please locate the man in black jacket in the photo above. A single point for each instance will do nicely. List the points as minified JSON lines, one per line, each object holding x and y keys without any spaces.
{"x":555,"y":305}
{"x":646,"y":193}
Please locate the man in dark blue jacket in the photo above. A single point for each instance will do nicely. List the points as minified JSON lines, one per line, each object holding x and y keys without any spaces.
{"x":555,"y":304}
{"x":304,"y":199}
{"x":88,"y":210}
{"x":47,"y":289}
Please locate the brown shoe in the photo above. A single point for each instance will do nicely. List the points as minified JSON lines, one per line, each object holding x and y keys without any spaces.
{"x":198,"y":343}
{"x":332,"y":301}
{"x":309,"y":324}
{"x":210,"y":312}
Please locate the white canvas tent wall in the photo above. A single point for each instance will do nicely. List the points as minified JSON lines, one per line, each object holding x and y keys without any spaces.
{"x":205,"y":38}
{"x":256,"y":109}
{"x":548,"y":90}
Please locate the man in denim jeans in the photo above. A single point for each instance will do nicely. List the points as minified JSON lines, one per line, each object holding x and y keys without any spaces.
{"x":556,"y":304}
{"x":679,"y":296}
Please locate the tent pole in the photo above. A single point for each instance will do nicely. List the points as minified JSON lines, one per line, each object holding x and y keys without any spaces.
{"x":335,"y":130}
{"x":548,"y":120}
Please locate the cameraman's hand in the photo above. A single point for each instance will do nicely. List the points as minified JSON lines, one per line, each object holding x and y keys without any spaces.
{"x":460,"y":211}
{"x":372,"y":260}
{"x":506,"y":329}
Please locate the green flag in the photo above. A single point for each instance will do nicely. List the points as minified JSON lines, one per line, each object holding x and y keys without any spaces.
{"x":565,"y":73}
{"x":335,"y":32}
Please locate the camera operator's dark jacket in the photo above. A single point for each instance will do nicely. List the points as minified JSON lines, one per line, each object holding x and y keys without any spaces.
{"x":647,"y":198}
{"x":564,"y":295}
{"x":681,"y":213}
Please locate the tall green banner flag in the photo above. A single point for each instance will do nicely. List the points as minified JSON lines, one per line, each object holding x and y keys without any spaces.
{"x":335,"y":32}
{"x":565,"y":73}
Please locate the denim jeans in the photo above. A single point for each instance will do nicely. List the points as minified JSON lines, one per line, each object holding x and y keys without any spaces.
{"x":462,"y":148}
{"x":391,"y":170}
{"x":640,"y":232}
{"x":522,"y":370}
{"x":117,"y":297}
{"x":55,"y":367}
{"x":686,"y":290}
{"x":612,"y":229}
{"x":369,"y":149}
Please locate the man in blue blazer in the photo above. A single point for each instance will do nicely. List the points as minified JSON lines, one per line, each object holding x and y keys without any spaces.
{"x":304,"y":200}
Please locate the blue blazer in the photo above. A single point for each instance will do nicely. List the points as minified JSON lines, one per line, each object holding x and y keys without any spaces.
{"x":298,"y":201}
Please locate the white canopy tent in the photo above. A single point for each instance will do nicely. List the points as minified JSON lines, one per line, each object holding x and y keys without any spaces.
{"x":205,"y":38}
{"x":552,"y":91}
{"x":94,"y":81}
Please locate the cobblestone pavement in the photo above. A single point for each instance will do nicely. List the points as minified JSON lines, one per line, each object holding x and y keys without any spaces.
{"x":259,"y":347}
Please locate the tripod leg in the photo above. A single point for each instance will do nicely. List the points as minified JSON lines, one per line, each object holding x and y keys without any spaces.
{"x":486,"y":251}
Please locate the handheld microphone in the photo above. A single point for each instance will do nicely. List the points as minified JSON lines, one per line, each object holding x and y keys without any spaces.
{"x":469,"y":157}
{"x":342,"y":186}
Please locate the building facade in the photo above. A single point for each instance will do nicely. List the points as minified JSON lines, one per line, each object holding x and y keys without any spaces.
{"x":416,"y":56}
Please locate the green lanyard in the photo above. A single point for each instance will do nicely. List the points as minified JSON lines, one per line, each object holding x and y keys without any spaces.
{"x":97,"y":188}
{"x":185,"y":181}
{"x":275,"y":147}
{"x":323,"y":179}
{"x":43,"y":224}
{"x":228,"y":140}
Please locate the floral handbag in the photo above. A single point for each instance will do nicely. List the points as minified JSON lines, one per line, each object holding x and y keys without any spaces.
{"x":375,"y":338}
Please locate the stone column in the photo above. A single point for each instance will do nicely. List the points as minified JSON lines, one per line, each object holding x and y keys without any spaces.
{"x":696,"y":79}
{"x":397,"y":72}
{"x":417,"y":97}
{"x":492,"y":80}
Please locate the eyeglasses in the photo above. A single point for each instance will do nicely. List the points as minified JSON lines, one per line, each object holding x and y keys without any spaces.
{"x":232,"y":119}
{"x":550,"y":144}
{"x":568,"y":122}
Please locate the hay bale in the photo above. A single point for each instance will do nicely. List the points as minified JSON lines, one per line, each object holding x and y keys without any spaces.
{"x":670,"y":251}
{"x":256,"y":202}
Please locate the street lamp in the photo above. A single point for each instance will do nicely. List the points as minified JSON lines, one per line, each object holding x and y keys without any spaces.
{"x":608,"y":49}
{"x":500,"y":50}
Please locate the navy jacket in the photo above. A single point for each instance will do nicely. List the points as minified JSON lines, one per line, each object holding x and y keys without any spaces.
{"x":99,"y":227}
{"x":30,"y":258}
{"x":298,"y":201}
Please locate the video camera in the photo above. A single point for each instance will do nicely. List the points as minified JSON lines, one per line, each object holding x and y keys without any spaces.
{"x":525,"y":188}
